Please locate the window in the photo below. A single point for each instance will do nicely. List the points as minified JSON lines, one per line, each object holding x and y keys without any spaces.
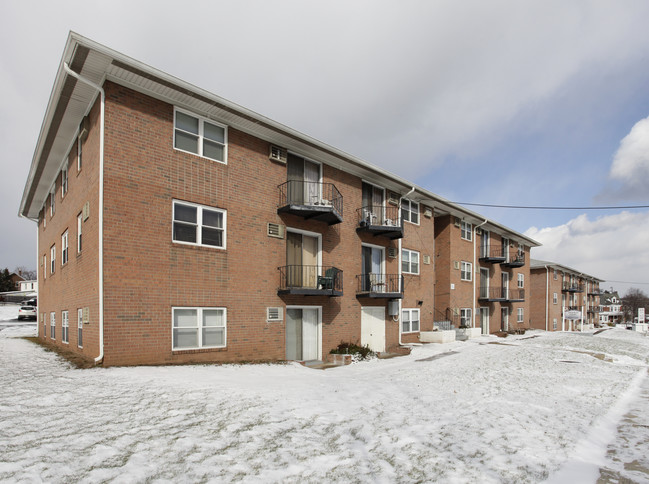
{"x":79,"y":241}
{"x":521,"y":280}
{"x":410,"y":320}
{"x":44,"y":325}
{"x":466,"y":270}
{"x":199,"y":328}
{"x":410,"y":211}
{"x":52,"y":259}
{"x":199,"y":136}
{"x":79,"y":154}
{"x":52,"y":202}
{"x":554,"y":324}
{"x":44,"y":266}
{"x":53,"y":325}
{"x":465,"y":317}
{"x":64,"y":326}
{"x":80,"y":327}
{"x":64,"y":180}
{"x":554,"y":298}
{"x":409,"y":261}
{"x":64,"y":248}
{"x":519,"y":316}
{"x":555,"y":274}
{"x":199,"y":225}
{"x":466,"y":230}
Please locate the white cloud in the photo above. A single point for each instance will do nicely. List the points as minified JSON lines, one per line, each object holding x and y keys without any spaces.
{"x":631,"y":164}
{"x":610,"y":247}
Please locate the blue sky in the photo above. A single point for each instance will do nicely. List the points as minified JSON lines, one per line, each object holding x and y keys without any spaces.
{"x":501,"y":102}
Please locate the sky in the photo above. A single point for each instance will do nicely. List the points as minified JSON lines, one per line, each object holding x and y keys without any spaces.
{"x":501,"y":103}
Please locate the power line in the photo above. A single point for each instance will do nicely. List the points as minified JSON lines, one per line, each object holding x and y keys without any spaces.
{"x":533,"y":207}
{"x":625,"y":282}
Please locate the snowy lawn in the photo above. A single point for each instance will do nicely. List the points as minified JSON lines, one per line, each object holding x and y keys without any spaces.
{"x":485,"y":410}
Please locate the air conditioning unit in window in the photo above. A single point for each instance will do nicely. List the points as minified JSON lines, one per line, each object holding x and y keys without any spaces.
{"x":85,"y":213}
{"x":456,"y":264}
{"x":392,"y":252}
{"x":393,"y":198}
{"x":86,"y":315}
{"x":275,"y":230}
{"x":457,"y":221}
{"x":426,"y":259}
{"x":428,"y":212}
{"x":277,"y":154}
{"x":274,"y":314}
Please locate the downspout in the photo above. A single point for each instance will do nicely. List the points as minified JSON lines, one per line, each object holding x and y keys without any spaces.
{"x":547,"y":296}
{"x":100,"y":357}
{"x":475,"y":265}
{"x":401,"y":274}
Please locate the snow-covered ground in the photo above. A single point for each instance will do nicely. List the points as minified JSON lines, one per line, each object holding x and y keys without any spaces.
{"x":520,"y":409}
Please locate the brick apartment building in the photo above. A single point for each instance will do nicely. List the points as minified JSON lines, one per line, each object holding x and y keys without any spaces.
{"x":175,"y":226}
{"x":564,"y":298}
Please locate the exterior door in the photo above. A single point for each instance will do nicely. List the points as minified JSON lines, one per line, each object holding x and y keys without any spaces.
{"x":484,"y":320}
{"x":303,"y":181}
{"x":372,"y":262}
{"x":484,"y":282}
{"x":505,"y":288}
{"x":373,"y":328}
{"x":302,"y":334}
{"x":372,"y":204}
{"x":504,"y":314}
{"x":484,"y":244}
{"x":302,"y":260}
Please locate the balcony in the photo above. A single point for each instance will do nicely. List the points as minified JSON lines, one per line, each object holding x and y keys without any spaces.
{"x":380,"y":286}
{"x":493,"y":256}
{"x":515,"y":259}
{"x":572,"y":287}
{"x":501,"y":294}
{"x":310,"y":280}
{"x":311,"y":200}
{"x":381,"y":221}
{"x":593,"y":309}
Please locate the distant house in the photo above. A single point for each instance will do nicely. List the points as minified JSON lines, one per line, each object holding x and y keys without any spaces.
{"x":563,"y":298}
{"x":29,"y":286}
{"x":610,"y":308}
{"x":16,"y":279}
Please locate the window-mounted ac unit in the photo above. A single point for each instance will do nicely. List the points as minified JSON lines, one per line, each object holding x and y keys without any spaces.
{"x":457,"y":221}
{"x":426,"y":259}
{"x":428,"y":212}
{"x":84,"y":126}
{"x":392,"y":252}
{"x":478,"y":231}
{"x":274,"y":314}
{"x":456,"y":264}
{"x":277,"y":154}
{"x":85,"y":213}
{"x":393,"y":198}
{"x":456,"y":311}
{"x":275,"y":230}
{"x":85,"y":314}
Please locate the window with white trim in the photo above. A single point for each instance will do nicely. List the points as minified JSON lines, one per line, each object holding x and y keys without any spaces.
{"x":52,"y":202}
{"x":465,"y":317}
{"x":554,"y":324}
{"x":64,"y":248}
{"x":80,"y":327}
{"x":555,"y":274}
{"x":65,"y":325}
{"x":52,"y":259}
{"x":555,"y":299}
{"x":199,"y":225}
{"x":519,"y":315}
{"x":409,"y":261}
{"x":466,"y":230}
{"x":410,"y":320}
{"x":79,"y":233}
{"x":53,"y":325}
{"x":64,"y":180}
{"x":521,"y":280}
{"x":410,"y":211}
{"x":44,"y":266}
{"x":198,"y":135}
{"x":466,"y":271}
{"x":79,"y":154}
{"x":195,"y":328}
{"x":44,"y":319}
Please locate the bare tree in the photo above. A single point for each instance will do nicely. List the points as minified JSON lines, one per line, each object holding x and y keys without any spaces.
{"x":631,"y":301}
{"x":27,"y":274}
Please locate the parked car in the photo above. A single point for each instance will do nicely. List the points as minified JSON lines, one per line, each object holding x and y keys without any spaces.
{"x":27,"y":312}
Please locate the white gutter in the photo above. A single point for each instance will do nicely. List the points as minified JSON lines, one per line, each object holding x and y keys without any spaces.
{"x":401,"y":275}
{"x":547,"y":296}
{"x":475,"y":265}
{"x":100,"y":357}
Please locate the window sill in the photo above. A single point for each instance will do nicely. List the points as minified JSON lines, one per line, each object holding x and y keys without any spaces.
{"x":198,"y":350}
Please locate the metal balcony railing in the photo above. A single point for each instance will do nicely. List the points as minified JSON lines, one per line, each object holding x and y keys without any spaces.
{"x":385,"y":221}
{"x":380,"y":285}
{"x":310,"y":280}
{"x":491,"y":254}
{"x":317,"y":200}
{"x":572,"y":287}
{"x":503,"y":294}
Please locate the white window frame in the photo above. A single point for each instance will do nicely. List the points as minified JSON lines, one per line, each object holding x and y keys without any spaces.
{"x":466,"y":268}
{"x":555,"y":299}
{"x":201,"y":123}
{"x":520,"y":315}
{"x":199,"y":224}
{"x":52,"y":201}
{"x":411,"y":208}
{"x":466,"y":316}
{"x":79,"y":154}
{"x":53,"y":259}
{"x":65,"y":327}
{"x":45,"y":266}
{"x":410,"y":262}
{"x":64,"y":248}
{"x":521,"y":280}
{"x":53,"y":325}
{"x":555,"y":274}
{"x":199,"y":318}
{"x":64,"y":180}
{"x":79,"y":233}
{"x":466,"y":230}
{"x":80,"y":327}
{"x":407,"y":316}
{"x":554,"y":324}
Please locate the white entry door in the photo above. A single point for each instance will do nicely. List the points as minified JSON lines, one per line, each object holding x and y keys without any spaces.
{"x":373,"y":328}
{"x":484,"y":320}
